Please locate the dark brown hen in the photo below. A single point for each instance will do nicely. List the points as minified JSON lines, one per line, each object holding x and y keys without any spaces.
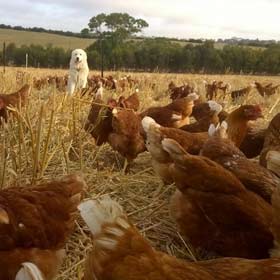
{"x":214,"y":211}
{"x":35,"y":222}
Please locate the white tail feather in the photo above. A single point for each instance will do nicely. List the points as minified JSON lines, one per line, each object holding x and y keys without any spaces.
{"x":211,"y":130}
{"x":176,"y":117}
{"x":224,"y":125}
{"x":172,"y":147}
{"x":214,"y":106}
{"x":115,"y":111}
{"x":253,"y":85}
{"x":4,"y":217}
{"x":96,"y":213}
{"x":29,"y":271}
{"x":220,"y":129}
{"x":99,"y":92}
{"x":147,"y":121}
{"x":192,"y":96}
{"x":273,"y":161}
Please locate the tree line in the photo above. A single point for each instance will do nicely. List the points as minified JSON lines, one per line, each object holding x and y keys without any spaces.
{"x":85,"y":33}
{"x":155,"y":55}
{"x":117,"y":43}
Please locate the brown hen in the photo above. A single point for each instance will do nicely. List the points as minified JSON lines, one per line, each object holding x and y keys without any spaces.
{"x":16,"y":99}
{"x":121,"y":252}
{"x":179,"y":91}
{"x":273,"y":162}
{"x":175,"y":114}
{"x":39,"y":216}
{"x":99,"y":121}
{"x":272,"y":139}
{"x":210,"y":116}
{"x":214,"y":211}
{"x":212,"y":89}
{"x":191,"y":142}
{"x":253,"y":176}
{"x":132,"y":102}
{"x":235,"y":94}
{"x":253,"y":142}
{"x":238,"y":122}
{"x":125,"y":136}
{"x":267,"y":90}
{"x":35,"y":222}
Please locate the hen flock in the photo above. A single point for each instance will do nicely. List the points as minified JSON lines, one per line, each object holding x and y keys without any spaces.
{"x":227,"y":202}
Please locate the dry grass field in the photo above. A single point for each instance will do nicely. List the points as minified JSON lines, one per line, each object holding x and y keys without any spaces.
{"x":28,"y":38}
{"x":46,"y":140}
{"x":68,"y":43}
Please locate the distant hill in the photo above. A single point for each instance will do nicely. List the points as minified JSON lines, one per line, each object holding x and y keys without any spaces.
{"x":44,"y":39}
{"x":67,"y":39}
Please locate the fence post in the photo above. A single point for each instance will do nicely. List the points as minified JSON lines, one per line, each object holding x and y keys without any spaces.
{"x":4,"y":57}
{"x":102,"y":56}
{"x":26,"y":61}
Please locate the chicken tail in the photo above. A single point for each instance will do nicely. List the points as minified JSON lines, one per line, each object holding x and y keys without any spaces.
{"x":97,"y":213}
{"x":4,"y":217}
{"x":273,"y":161}
{"x":147,"y":122}
{"x":214,"y":106}
{"x":192,"y":96}
{"x":29,"y":271}
{"x":174,"y":149}
{"x":219,"y":130}
{"x":74,"y":183}
{"x":113,"y":234}
{"x":229,"y":87}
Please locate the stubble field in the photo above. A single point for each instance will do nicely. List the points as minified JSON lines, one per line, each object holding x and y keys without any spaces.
{"x":46,"y":140}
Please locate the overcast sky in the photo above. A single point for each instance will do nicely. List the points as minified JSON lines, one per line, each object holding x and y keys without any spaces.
{"x":177,"y":18}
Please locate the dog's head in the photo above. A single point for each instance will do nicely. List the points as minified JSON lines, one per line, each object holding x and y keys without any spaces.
{"x":78,"y":56}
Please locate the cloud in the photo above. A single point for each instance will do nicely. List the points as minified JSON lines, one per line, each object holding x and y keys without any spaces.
{"x":178,"y":18}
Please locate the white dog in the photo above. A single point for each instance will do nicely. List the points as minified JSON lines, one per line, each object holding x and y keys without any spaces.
{"x":78,"y":72}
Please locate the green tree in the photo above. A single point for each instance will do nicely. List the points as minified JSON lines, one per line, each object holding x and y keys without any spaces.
{"x":113,"y":30}
{"x":121,"y":25}
{"x":85,"y":32}
{"x":96,"y":23}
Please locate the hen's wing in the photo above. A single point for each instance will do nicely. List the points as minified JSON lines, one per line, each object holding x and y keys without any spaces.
{"x":99,"y":122}
{"x":132,"y":102}
{"x":18,"y":97}
{"x":234,"y":218}
{"x":272,"y":138}
{"x":253,"y":176}
{"x":39,"y":216}
{"x":273,"y":161}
